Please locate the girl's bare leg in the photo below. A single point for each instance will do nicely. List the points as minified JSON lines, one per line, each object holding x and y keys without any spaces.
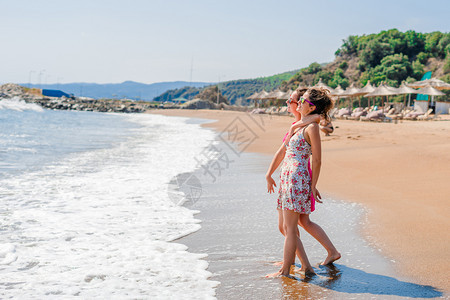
{"x":281,"y":221}
{"x":301,"y":253}
{"x":291,"y":243}
{"x":326,"y":130}
{"x":281,"y":228}
{"x":319,"y":234}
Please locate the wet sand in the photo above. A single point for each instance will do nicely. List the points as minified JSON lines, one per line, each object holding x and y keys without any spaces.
{"x":401,"y":178}
{"x":240,"y":236}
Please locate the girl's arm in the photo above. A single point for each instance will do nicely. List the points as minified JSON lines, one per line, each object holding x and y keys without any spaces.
{"x":315,"y":118}
{"x":312,"y":133}
{"x":277,"y":159}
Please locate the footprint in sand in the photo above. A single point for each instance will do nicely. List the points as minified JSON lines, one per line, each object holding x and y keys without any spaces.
{"x":354,"y":137}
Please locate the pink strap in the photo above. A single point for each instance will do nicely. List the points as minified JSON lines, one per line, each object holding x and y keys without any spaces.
{"x":313,"y":201}
{"x":285,"y":136}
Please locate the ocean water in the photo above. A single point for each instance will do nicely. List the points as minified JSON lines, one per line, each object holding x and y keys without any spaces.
{"x":84,"y":206}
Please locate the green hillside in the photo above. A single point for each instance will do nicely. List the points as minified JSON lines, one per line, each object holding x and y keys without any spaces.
{"x":236,"y":91}
{"x":390,"y":56}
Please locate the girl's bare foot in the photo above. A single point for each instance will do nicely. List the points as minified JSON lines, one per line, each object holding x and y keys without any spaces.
{"x":280,"y":272}
{"x":331,"y":258}
{"x":273,"y":275}
{"x":307,"y":271}
{"x":278,"y":263}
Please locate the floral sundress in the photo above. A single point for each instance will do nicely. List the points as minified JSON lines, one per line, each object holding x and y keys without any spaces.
{"x":295,"y":181}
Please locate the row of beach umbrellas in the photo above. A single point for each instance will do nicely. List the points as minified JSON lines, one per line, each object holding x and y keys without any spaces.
{"x":430,"y":87}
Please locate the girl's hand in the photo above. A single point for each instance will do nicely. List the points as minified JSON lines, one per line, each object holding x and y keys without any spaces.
{"x":287,"y":139}
{"x":270,"y":184}
{"x":316,"y":194}
{"x":289,"y":135}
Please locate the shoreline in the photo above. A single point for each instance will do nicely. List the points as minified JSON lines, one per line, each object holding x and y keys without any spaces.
{"x":384,"y":168}
{"x":241,"y":242}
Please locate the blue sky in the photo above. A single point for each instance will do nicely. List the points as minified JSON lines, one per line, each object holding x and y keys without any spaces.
{"x":153,"y":41}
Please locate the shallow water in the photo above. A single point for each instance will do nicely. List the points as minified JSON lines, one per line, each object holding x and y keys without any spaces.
{"x":85,"y":210}
{"x":240,"y":235}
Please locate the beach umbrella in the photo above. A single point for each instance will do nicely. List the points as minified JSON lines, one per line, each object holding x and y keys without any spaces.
{"x":323,"y":85}
{"x":276,"y":94}
{"x":273,"y":95}
{"x":337,"y":93}
{"x":262,"y":95}
{"x":404,"y":89}
{"x":393,"y":89}
{"x":433,"y":82}
{"x":287,"y":94}
{"x":254,"y":96}
{"x":380,"y":91}
{"x":258,"y":96}
{"x":368,"y":88}
{"x":301,"y":86}
{"x":352,"y":91}
{"x":280,"y":95}
{"x":268,"y":96}
{"x":429,"y":90}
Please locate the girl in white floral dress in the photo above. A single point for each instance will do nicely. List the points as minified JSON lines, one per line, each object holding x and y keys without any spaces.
{"x":296,"y":185}
{"x":278,"y":159}
{"x":295,"y":182}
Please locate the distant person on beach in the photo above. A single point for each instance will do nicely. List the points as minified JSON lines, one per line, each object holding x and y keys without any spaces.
{"x":298,"y":190}
{"x":326,"y":126}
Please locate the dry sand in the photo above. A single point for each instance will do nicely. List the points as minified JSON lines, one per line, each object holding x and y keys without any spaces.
{"x":400,"y":171}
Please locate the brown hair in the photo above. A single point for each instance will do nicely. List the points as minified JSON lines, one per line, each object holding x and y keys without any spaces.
{"x":298,"y":93}
{"x":321,"y":98}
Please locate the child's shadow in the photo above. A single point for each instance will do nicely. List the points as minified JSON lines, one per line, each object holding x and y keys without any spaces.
{"x":344,"y":279}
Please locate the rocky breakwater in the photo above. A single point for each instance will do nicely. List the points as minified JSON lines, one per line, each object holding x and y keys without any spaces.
{"x":101,"y":105}
{"x":206,"y":104}
{"x":15,"y":91}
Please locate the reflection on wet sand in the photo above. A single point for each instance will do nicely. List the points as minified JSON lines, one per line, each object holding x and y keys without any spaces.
{"x":348,"y":280}
{"x":240,"y":235}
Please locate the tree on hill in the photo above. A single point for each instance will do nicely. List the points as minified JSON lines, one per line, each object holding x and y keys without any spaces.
{"x":186,"y":92}
{"x":212,"y":94}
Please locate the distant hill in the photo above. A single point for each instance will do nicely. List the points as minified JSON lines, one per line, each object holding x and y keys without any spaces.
{"x":236,"y":91}
{"x":127,"y":89}
{"x":390,"y":56}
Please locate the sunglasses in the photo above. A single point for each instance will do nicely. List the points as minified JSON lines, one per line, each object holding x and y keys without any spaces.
{"x":290,"y":100}
{"x":302,"y":99}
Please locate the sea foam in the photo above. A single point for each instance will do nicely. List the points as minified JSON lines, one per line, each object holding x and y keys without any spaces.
{"x":99,"y":223}
{"x":18,"y":104}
